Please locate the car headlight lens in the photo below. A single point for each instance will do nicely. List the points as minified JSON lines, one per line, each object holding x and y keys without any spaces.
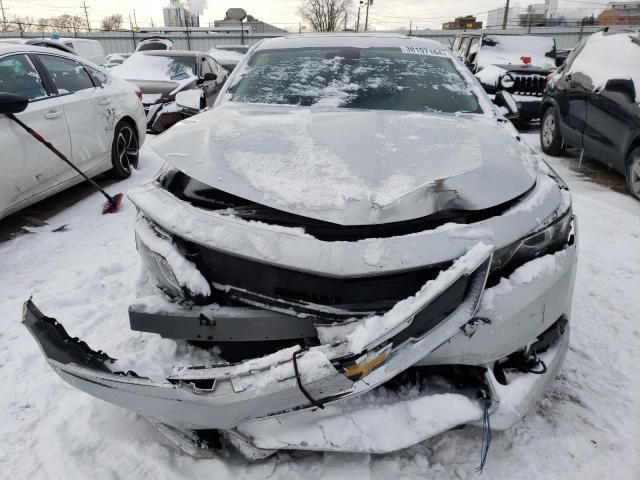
{"x":507,"y":81}
{"x":553,"y":237}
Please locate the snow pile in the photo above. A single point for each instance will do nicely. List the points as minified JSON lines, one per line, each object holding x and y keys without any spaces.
{"x":380,"y":421}
{"x":509,"y":50}
{"x":362,"y":333}
{"x":490,"y":75}
{"x":609,"y":57}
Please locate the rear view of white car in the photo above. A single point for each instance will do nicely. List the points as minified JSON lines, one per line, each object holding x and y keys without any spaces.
{"x":95,"y":120}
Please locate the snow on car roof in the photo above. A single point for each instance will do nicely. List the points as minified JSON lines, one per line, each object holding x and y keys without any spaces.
{"x":226,"y":56}
{"x":357,"y":40}
{"x":608,"y":56}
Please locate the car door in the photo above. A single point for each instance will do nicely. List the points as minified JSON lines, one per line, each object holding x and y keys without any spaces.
{"x":613,"y":116}
{"x":28,"y":167}
{"x":573,"y":90}
{"x":612,"y":119}
{"x":84,"y":109}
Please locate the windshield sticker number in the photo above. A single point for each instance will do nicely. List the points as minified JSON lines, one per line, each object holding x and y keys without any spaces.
{"x":431,"y":52}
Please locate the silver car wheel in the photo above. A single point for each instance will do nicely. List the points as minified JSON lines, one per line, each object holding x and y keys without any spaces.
{"x":127,"y":148}
{"x":548,"y":130}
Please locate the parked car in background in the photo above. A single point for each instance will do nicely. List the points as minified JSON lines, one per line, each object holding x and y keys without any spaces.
{"x":162,"y":74}
{"x":96,"y":120}
{"x":518,"y":64}
{"x":354,"y":213}
{"x":591,"y":103}
{"x":229,"y":59}
{"x":91,"y":50}
{"x":114,"y":59}
{"x":154,"y":43}
{"x":39,"y":42}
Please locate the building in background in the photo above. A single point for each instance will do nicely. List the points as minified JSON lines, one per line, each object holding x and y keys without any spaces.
{"x":463,"y":23}
{"x":621,"y":13}
{"x":177,"y":15}
{"x":250,"y":24}
{"x":536,"y":14}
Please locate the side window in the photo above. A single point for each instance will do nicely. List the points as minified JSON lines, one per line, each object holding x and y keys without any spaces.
{"x":215,"y":68}
{"x":464,"y":47}
{"x":473,"y":50}
{"x":68,"y":75}
{"x":206,"y":68}
{"x":456,"y":44}
{"x":98,"y":75}
{"x":19,"y":76}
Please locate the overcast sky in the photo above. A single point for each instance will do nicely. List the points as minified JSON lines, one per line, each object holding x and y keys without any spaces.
{"x":384,"y":14}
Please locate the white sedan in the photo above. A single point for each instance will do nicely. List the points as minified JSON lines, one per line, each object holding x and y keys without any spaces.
{"x":94,"y":119}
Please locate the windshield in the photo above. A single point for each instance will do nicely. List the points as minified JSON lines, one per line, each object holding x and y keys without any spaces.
{"x":156,"y":67}
{"x":510,"y":49}
{"x":408,"y":79}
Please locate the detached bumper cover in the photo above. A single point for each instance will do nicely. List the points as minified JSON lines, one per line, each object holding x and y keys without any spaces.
{"x":353,"y":359}
{"x":262,"y":404}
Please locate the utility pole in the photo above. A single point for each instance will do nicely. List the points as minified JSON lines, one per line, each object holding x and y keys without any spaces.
{"x":133,"y":33}
{"x":151,"y":22}
{"x":366,"y":20}
{"x":505,"y":19}
{"x":358,"y":22}
{"x":4,"y":19}
{"x":86,"y":15}
{"x":410,"y":26}
{"x":135,"y":20}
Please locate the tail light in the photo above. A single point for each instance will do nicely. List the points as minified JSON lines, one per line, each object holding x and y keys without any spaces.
{"x":139,"y":93}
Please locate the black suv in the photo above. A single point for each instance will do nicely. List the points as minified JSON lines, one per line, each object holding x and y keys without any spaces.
{"x":591,"y":103}
{"x":518,"y":64}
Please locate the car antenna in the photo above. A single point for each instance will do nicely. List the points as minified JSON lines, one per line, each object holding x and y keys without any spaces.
{"x":112,"y":205}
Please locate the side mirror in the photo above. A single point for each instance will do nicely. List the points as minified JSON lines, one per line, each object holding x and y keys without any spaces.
{"x":560,"y":59}
{"x":208,"y":77}
{"x":622,"y":85}
{"x":505,"y":100}
{"x":190,"y":101}
{"x":12,"y":103}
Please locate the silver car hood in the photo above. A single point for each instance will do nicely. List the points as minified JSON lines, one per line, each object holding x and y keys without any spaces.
{"x":351,"y":167}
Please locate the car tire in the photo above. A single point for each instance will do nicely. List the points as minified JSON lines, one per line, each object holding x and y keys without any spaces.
{"x":633,"y":172}
{"x":125,"y":150}
{"x":550,"y":136}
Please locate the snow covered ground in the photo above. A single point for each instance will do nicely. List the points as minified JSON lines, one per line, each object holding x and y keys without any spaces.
{"x":585,"y":427}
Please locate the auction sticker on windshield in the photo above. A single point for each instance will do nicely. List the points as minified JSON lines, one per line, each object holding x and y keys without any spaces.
{"x":432,"y":52}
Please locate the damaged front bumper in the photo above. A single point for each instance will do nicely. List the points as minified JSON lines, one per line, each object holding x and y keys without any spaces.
{"x":302,"y":399}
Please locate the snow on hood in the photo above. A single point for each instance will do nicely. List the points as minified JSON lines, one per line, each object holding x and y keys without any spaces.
{"x":350,"y":167}
{"x":509,"y":50}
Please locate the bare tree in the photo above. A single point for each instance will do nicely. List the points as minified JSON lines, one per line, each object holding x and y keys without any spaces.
{"x":112,"y":22}
{"x":325,"y":15}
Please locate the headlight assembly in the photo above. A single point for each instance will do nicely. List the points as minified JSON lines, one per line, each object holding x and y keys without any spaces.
{"x":551,"y":238}
{"x":507,"y":81}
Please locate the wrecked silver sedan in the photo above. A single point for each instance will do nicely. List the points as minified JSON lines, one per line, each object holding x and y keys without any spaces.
{"x":365,"y":240}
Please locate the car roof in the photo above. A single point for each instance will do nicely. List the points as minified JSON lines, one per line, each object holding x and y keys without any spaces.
{"x":347,"y":39}
{"x":6,"y":48}
{"x":172,"y":53}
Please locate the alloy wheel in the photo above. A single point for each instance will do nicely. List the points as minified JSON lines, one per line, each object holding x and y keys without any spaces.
{"x":548,"y":130}
{"x":127,"y":148}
